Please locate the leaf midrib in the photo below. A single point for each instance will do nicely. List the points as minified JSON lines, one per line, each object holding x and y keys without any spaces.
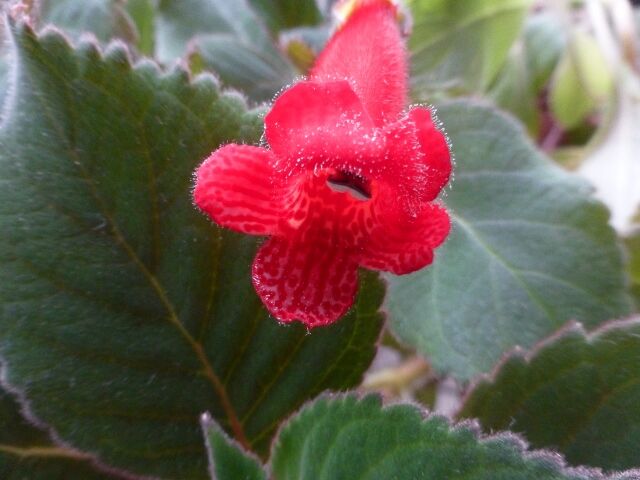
{"x":515,"y":273}
{"x":122,"y":242}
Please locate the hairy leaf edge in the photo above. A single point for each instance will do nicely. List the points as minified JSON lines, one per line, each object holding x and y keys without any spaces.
{"x":115,"y":51}
{"x":580,"y":185}
{"x":528,"y":355}
{"x":207,"y":423}
{"x":513,"y":440}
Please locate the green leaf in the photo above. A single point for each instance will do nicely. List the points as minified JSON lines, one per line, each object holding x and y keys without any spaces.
{"x":27,"y":453}
{"x":576,"y":392}
{"x":545,"y":40}
{"x":528,"y":68}
{"x":229,"y":39}
{"x":106,"y":19}
{"x":227,"y":459}
{"x":461,"y":45}
{"x":242,"y":67}
{"x":4,"y":78}
{"x":529,"y":250}
{"x":632,"y":242}
{"x":285,"y":14}
{"x":349,"y":438}
{"x":142,"y":13}
{"x":125,"y":314}
{"x":513,"y":91}
{"x":582,"y":81}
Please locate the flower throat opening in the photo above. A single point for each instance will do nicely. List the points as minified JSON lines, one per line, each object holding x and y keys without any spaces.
{"x":358,"y":187}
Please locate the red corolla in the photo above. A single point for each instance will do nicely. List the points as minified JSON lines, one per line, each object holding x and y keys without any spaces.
{"x":349,"y":177}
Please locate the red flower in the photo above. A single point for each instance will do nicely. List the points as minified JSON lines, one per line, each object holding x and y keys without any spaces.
{"x":348,"y":180}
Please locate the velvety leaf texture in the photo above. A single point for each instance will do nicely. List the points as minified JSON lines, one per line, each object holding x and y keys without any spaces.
{"x":632,"y":243}
{"x":27,"y":453}
{"x":347,"y":438}
{"x":529,"y":250}
{"x":125,"y":314}
{"x":577,"y":393}
{"x":227,"y":459}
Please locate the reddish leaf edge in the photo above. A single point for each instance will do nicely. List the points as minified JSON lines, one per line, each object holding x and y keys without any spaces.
{"x":472,"y":426}
{"x":600,"y":211}
{"x":115,"y":52}
{"x":71,"y":453}
{"x":528,"y":355}
{"x":207,"y":422}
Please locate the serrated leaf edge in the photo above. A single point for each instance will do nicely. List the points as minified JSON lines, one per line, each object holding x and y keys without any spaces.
{"x":115,"y":51}
{"x":472,"y":426}
{"x":528,"y":355}
{"x":207,"y":423}
{"x":73,"y":453}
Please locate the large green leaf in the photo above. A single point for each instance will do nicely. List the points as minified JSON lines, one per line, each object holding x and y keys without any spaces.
{"x":4,"y":77}
{"x":578,"y":393}
{"x":528,"y":251}
{"x":346,"y":438}
{"x":27,"y":453}
{"x":632,"y":242}
{"x":124,"y":313}
{"x":229,"y":39}
{"x":106,"y":19}
{"x":227,"y":459}
{"x":462,"y":44}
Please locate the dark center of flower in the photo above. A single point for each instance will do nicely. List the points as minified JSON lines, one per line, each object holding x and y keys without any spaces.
{"x":358,"y":187}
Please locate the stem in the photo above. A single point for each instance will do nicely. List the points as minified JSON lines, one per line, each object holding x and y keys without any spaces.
{"x":397,"y":379}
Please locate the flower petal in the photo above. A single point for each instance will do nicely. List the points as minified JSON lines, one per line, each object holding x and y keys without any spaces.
{"x":368,"y":51}
{"x":305,"y":281}
{"x":434,"y":145}
{"x":400,"y":244}
{"x":234,"y":186}
{"x":313,"y":120}
{"x":417,"y":164}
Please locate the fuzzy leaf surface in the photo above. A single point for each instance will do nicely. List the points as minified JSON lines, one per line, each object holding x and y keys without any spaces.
{"x":632,"y":243}
{"x":529,"y":250}
{"x":124,"y":313}
{"x":347,"y":438}
{"x":577,"y":393}
{"x":227,"y":459}
{"x":27,"y":452}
